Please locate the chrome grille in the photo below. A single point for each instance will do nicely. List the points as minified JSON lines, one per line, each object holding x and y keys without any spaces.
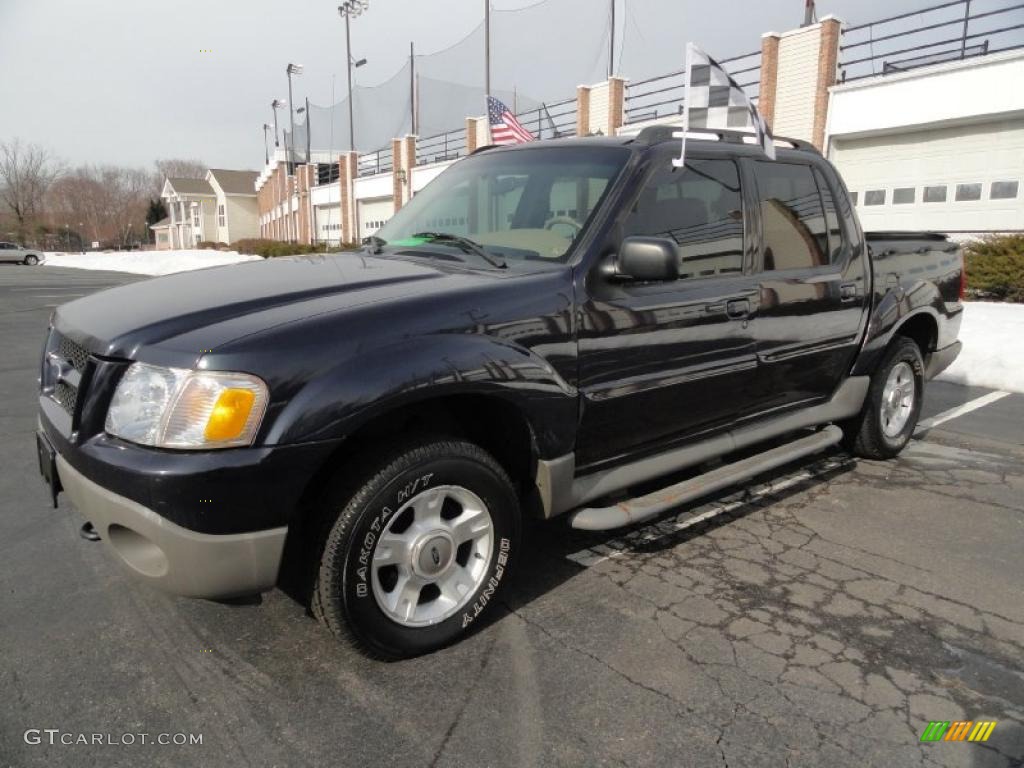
{"x":73,"y":353}
{"x":67,"y":396}
{"x":63,"y":388}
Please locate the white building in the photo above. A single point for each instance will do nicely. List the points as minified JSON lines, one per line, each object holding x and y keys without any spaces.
{"x":937,"y":148}
{"x":220,"y":208}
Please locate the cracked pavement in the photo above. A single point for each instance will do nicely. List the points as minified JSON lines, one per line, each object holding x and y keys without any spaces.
{"x":820,"y":616}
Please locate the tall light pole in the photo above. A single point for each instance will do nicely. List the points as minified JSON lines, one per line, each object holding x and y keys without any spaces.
{"x":348,"y":11}
{"x":266,"y":147}
{"x":291,"y":69}
{"x":275,"y":105}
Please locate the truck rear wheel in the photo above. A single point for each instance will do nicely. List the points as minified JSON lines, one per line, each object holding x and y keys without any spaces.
{"x":893,"y":404}
{"x":419,"y":553}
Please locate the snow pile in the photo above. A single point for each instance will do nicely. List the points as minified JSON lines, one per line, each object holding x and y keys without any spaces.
{"x":147,"y":262}
{"x":993,"y":352}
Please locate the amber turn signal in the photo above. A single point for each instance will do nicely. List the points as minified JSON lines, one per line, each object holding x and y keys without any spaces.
{"x":230,"y":414}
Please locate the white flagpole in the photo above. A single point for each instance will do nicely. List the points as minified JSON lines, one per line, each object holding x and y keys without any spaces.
{"x":680,"y":161}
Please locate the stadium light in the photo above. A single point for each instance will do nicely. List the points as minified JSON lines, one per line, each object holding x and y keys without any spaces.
{"x":349,"y":10}
{"x":291,"y":69}
{"x":275,"y":105}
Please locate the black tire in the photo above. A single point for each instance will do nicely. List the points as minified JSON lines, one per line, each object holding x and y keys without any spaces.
{"x":866,"y":436}
{"x":343,"y":595}
{"x":31,"y":260}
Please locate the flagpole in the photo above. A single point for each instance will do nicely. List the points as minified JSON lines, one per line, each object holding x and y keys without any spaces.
{"x":680,"y":161}
{"x":487,"y":47}
{"x":611,"y":44}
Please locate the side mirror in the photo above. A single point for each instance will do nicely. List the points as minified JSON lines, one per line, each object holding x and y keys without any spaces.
{"x":648,"y":259}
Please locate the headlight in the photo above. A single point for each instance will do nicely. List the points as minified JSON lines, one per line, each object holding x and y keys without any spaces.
{"x":178,"y":408}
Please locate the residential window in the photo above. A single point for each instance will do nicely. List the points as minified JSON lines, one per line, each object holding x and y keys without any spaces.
{"x":195,"y":216}
{"x":853,"y":198}
{"x":792,"y":217}
{"x":936,"y":194}
{"x":903,"y":195}
{"x":874,"y":197}
{"x":1003,"y":190}
{"x":221,"y":219}
{"x":968,"y":192}
{"x":700,"y":209}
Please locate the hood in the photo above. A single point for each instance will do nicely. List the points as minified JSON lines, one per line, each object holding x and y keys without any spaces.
{"x":225,"y":300}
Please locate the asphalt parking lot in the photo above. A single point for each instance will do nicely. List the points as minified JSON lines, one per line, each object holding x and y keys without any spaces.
{"x":818,"y":617}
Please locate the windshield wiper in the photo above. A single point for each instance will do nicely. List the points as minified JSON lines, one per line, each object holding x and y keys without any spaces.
{"x":375,"y":243}
{"x":465,"y":244}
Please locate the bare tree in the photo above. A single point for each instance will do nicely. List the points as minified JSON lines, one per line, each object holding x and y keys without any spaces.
{"x":109,"y":201}
{"x":26,"y":172}
{"x":177,"y":168}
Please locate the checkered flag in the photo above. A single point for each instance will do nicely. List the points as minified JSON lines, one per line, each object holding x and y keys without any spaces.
{"x":714,"y":100}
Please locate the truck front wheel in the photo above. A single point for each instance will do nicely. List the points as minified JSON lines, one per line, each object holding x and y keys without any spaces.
{"x":419,"y":553}
{"x":893,"y":403}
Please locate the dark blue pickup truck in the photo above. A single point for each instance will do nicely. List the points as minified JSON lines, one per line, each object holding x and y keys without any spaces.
{"x":538,"y":332}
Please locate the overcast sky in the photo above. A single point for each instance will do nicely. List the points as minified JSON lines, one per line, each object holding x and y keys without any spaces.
{"x":129,"y":81}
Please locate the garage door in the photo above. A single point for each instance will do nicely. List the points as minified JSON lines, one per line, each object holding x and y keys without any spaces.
{"x":962,"y":178}
{"x":373,"y":214}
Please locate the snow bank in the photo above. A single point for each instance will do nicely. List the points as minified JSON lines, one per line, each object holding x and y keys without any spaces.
{"x":147,"y":262}
{"x":993,"y":353}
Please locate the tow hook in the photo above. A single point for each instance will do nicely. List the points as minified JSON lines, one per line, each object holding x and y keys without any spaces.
{"x":88,"y":532}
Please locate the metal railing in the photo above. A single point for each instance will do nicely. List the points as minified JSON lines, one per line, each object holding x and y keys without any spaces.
{"x":949,"y":31}
{"x":662,"y":96}
{"x":380,"y":161}
{"x":444,"y":146}
{"x":551,"y":121}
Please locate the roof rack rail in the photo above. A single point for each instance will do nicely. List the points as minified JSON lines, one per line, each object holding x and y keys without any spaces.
{"x":656,"y":134}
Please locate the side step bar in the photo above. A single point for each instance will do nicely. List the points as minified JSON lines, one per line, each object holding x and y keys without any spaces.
{"x":645,"y":507}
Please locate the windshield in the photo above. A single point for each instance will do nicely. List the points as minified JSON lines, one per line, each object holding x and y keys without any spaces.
{"x":523,"y":204}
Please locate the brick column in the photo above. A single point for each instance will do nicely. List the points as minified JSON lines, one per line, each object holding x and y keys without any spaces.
{"x":397,"y":190}
{"x":582,"y":110}
{"x":310,"y":219}
{"x":471,"y":135}
{"x":828,"y":63}
{"x":616,"y":105}
{"x":769,"y":76}
{"x":805,"y":69}
{"x":409,"y":161}
{"x":348,"y":172}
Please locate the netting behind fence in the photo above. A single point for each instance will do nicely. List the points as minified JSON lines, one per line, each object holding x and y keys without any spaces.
{"x":539,"y":55}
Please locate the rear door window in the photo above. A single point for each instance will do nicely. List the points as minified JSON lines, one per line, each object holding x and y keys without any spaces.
{"x":833,"y":228}
{"x":698,"y":208}
{"x":792,"y":217}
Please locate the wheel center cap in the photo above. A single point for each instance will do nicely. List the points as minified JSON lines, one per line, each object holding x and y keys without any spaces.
{"x":433,"y":553}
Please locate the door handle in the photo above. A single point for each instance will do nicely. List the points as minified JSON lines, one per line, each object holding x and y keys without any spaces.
{"x":848,"y":292}
{"x":737,"y":308}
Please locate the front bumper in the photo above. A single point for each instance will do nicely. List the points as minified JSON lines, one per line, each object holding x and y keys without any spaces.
{"x":170,"y":557}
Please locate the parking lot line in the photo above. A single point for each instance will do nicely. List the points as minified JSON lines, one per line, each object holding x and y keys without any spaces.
{"x":960,"y":410}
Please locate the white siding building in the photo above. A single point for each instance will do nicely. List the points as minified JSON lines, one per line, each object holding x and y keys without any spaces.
{"x":220,"y":208}
{"x":937,"y":148}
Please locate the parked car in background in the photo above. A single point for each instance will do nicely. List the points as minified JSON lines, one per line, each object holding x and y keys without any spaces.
{"x":19,"y":254}
{"x":545,"y":329}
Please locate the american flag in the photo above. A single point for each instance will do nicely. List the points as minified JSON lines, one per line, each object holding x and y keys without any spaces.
{"x":714,"y":100}
{"x":505,"y":129}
